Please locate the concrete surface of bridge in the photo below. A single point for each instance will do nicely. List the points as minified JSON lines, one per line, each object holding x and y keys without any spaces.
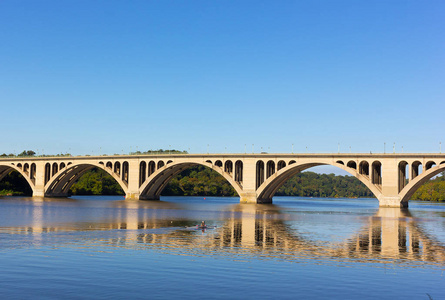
{"x":392,"y":178}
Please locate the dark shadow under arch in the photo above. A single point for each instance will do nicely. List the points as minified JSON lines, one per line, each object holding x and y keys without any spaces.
{"x":281,"y":164}
{"x":14,"y":183}
{"x":95,"y":181}
{"x":60,"y":184}
{"x":416,"y":169}
{"x":352,"y":164}
{"x":266,"y":191}
{"x":429,"y":165}
{"x":403,"y":170}
{"x":267,"y":194}
{"x":158,"y":181}
{"x":409,"y":190}
{"x":364,"y":168}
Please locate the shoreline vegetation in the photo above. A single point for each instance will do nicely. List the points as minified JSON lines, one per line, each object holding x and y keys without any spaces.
{"x":202,"y":181}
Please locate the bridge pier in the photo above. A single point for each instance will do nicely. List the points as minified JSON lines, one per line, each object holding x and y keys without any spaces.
{"x":38,"y":190}
{"x":38,"y":193}
{"x":388,"y":201}
{"x":132,"y":196}
{"x":248,"y":198}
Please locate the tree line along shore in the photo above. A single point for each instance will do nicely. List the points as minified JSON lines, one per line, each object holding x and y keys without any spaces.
{"x":202,"y":181}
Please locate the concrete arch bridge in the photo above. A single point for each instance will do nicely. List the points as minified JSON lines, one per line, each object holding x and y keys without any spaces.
{"x":392,"y":178}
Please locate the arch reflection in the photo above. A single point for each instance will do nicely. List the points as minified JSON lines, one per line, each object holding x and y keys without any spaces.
{"x":390,"y":235}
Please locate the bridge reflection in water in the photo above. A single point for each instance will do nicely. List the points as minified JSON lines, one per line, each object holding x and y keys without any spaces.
{"x":390,"y":235}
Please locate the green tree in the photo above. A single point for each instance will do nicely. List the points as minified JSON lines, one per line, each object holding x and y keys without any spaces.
{"x":27,"y":153}
{"x":15,"y":184}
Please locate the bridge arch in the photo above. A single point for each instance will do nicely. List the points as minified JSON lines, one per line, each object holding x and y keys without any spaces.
{"x":30,"y":177}
{"x":142,"y":172}
{"x":55,"y":169}
{"x":364,"y":168}
{"x":26,"y":168}
{"x":281,"y":164}
{"x":377,"y":173}
{"x":429,"y":165}
{"x":59,"y":184}
{"x":152,"y":188}
{"x":151,"y":168}
{"x":418,"y":181}
{"x":117,"y":167}
{"x":239,"y":171}
{"x":416,"y":169}
{"x":403,"y":170}
{"x":352,"y":164}
{"x":270,"y":168}
{"x":228,"y":166}
{"x":259,"y":177}
{"x":267,"y":190}
{"x":125,"y":172}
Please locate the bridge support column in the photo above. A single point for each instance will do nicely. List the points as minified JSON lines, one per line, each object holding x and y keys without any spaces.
{"x":249,"y":188}
{"x":388,"y":201}
{"x":389,"y":196}
{"x":39,"y":184}
{"x":38,"y":193}
{"x":248,"y":198}
{"x":252,"y":198}
{"x":132,"y":192}
{"x":131,"y":196}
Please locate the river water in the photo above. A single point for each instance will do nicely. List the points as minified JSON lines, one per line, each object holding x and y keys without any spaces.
{"x":296,"y":248}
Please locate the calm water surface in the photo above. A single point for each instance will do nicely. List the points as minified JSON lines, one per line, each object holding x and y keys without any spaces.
{"x":297,"y":248}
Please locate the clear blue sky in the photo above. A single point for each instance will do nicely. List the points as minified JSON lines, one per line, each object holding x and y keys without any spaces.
{"x":91,"y":77}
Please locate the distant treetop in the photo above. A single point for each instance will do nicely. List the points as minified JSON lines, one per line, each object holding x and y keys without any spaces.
{"x":160,"y":151}
{"x":31,"y":153}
